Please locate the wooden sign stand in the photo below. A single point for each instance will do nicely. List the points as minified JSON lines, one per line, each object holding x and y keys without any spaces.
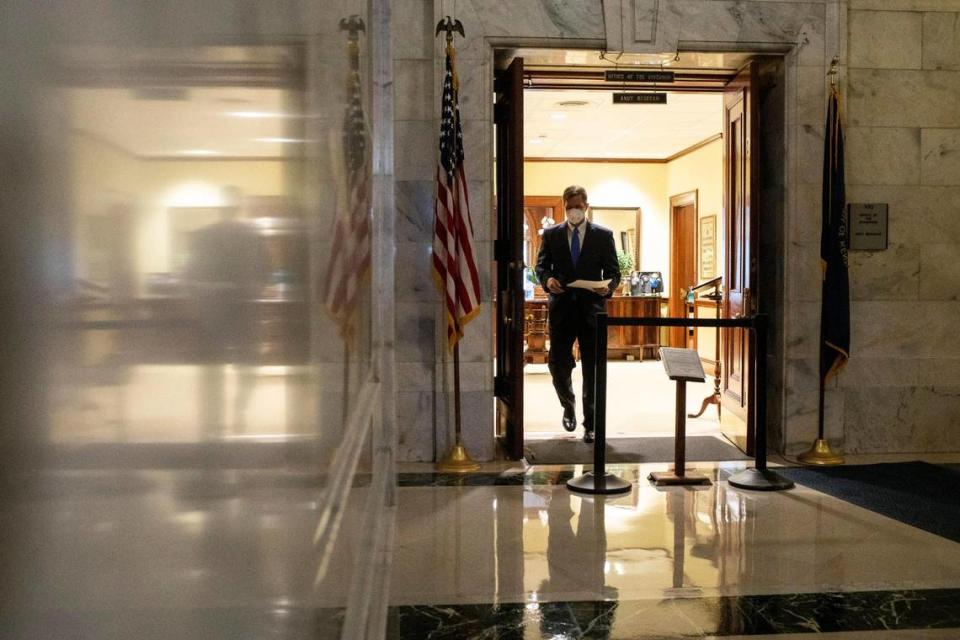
{"x":682,"y":366}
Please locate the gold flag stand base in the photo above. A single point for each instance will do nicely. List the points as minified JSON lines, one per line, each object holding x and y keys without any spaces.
{"x":820,"y":453}
{"x":458,"y":461}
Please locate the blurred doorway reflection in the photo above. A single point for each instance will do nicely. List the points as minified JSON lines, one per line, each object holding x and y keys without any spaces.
{"x":188,"y":315}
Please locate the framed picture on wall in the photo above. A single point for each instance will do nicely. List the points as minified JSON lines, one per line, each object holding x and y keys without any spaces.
{"x":708,"y":247}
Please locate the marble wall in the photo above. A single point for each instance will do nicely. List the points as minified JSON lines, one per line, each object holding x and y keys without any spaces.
{"x":424,"y":366}
{"x":902,"y":389}
{"x":906,"y":156}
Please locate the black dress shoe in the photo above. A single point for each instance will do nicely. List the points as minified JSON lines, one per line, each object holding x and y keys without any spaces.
{"x":588,"y":436}
{"x":569,"y":420}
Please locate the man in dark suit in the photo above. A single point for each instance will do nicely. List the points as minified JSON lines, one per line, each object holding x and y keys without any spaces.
{"x":576,"y":250}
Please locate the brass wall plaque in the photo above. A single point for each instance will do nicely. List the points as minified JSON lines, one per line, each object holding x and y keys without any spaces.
{"x":868,"y":227}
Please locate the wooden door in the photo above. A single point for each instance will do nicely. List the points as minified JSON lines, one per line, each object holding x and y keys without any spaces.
{"x":508,"y":253}
{"x":741,"y":250}
{"x":683,"y":260}
{"x":539,"y":211}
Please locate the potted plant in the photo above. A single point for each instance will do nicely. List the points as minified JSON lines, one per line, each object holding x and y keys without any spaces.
{"x":625,"y":262}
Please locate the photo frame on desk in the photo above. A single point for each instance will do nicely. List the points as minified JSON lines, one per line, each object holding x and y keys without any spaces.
{"x":708,"y":247}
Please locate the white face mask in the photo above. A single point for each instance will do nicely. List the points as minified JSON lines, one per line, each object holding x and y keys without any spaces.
{"x":575,"y":216}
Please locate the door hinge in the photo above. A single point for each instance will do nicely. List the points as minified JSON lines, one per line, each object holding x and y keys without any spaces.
{"x":499,"y":386}
{"x":499,"y":112}
{"x":499,"y":250}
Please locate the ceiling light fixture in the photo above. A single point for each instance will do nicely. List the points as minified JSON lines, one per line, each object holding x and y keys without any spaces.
{"x":279,"y":140}
{"x":255,"y":114}
{"x":558,"y":116}
{"x":572,"y":104}
{"x":199,"y":152}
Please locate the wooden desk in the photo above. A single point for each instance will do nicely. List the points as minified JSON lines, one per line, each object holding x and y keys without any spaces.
{"x":535,"y":331}
{"x":622,"y":341}
{"x":633,"y":341}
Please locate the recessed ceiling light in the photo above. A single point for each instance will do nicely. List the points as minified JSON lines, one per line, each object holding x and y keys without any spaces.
{"x":279,"y":140}
{"x":571,"y":104}
{"x":199,"y":152}
{"x":255,"y":114}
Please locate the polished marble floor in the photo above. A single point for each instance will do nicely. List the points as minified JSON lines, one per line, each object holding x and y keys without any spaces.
{"x":517,"y":555}
{"x":507,"y":552}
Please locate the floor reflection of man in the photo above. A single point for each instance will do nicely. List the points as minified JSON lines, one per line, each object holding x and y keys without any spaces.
{"x":576,"y":563}
{"x":226,"y":270}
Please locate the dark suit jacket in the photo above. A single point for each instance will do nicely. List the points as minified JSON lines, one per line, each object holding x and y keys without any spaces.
{"x":598,"y":261}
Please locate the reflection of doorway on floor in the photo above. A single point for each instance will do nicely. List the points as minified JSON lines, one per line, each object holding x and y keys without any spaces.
{"x":640,"y":402}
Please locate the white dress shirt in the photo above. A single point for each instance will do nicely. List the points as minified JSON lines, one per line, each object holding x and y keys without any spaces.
{"x":582,"y":227}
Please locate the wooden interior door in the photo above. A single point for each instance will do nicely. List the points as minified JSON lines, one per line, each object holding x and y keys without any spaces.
{"x":536,"y":210}
{"x":683,"y":259}
{"x":508,"y":253}
{"x":741,"y":239}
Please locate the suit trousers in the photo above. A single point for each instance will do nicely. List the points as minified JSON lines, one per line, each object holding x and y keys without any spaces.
{"x":569,"y":323}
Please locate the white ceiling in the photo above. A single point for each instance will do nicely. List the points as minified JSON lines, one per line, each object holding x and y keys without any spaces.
{"x":208,"y":122}
{"x":191,"y":122}
{"x":601,"y":129}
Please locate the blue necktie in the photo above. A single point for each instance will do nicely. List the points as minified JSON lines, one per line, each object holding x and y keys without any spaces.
{"x":575,"y":246}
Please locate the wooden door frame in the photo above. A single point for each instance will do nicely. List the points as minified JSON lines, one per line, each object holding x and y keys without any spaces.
{"x":748,"y":89}
{"x":508,"y":254}
{"x":675,"y":304}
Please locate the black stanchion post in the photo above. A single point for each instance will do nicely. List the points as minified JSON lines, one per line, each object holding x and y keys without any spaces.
{"x":600,"y":400}
{"x":760,"y":338}
{"x":598,"y":480}
{"x":760,"y":478}
{"x":680,"y":433}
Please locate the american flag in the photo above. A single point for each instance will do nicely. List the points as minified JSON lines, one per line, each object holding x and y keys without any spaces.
{"x":454,"y":267}
{"x":349,"y":259}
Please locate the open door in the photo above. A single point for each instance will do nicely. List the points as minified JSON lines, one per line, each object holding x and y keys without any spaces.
{"x":683,"y":261}
{"x":741,"y":190}
{"x":508,"y":252}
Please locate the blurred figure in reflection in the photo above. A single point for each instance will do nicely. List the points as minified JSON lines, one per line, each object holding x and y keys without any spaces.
{"x":226,"y":271}
{"x":577,"y":564}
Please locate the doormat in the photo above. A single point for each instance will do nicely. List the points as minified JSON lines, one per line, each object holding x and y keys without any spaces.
{"x":920,"y":494}
{"x":576,"y":451}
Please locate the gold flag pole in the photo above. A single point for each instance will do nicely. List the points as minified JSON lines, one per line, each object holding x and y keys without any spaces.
{"x":458,"y":460}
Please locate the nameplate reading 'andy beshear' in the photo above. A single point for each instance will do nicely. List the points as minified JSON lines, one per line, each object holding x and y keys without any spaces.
{"x":639,"y":98}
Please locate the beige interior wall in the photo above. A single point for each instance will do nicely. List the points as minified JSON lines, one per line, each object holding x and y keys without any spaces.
{"x":647,"y":186}
{"x":614,"y":184}
{"x":702,"y":170}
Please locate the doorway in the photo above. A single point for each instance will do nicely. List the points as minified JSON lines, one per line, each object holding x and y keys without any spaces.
{"x":664,"y":253}
{"x":683,"y":263}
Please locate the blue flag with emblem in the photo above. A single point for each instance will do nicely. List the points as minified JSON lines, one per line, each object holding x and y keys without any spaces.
{"x":835,"y":302}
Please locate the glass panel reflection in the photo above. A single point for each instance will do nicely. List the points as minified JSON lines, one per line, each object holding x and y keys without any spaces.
{"x":188,"y":320}
{"x":176,"y":387}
